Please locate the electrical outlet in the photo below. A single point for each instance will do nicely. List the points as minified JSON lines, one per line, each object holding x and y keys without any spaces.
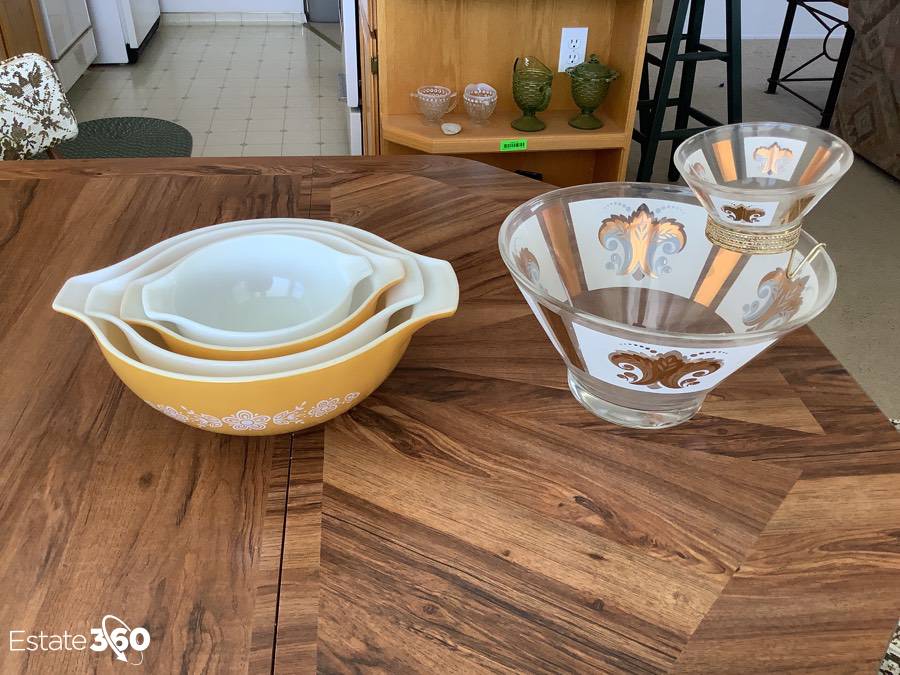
{"x":572,"y":47}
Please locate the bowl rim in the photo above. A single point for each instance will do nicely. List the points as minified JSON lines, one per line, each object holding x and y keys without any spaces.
{"x":686,"y":147}
{"x":529,"y":207}
{"x":441,"y":91}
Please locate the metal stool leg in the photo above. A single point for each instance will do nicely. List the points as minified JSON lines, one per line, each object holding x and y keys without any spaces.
{"x":839,"y":69}
{"x":733,"y":47}
{"x":644,"y":95}
{"x":663,"y":85}
{"x":688,"y":72}
{"x":782,"y":46}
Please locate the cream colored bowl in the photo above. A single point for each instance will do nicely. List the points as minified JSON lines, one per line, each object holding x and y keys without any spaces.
{"x":256,"y":290}
{"x":264,"y":404}
{"x":388,"y":270}
{"x":108,"y":289}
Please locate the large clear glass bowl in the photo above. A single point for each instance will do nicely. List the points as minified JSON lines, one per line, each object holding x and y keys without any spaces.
{"x":762,"y":177}
{"x":646,"y":313}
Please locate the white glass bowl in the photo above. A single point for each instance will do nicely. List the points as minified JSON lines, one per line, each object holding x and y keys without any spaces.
{"x":256,"y":290}
{"x":434,"y":101}
{"x":762,"y":177}
{"x":480,"y":101}
{"x":388,"y":270}
{"x":646,"y":313}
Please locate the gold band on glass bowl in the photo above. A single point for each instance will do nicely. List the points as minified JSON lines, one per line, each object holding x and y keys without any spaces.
{"x":751,"y":243}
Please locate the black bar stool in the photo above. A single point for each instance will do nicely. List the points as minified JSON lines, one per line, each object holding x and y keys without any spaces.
{"x":652,"y":111}
{"x":830,"y":23}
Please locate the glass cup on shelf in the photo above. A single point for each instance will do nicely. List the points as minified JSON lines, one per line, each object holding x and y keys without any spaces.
{"x":434,"y":101}
{"x":647,"y":314}
{"x":480,"y":101}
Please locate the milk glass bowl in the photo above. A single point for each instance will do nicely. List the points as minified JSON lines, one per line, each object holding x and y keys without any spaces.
{"x":389,"y":269}
{"x":256,"y":290}
{"x":762,"y":177}
{"x":646,"y":313}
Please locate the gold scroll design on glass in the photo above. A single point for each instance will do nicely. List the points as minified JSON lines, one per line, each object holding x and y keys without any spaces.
{"x":741,"y":213}
{"x":780,"y":298}
{"x":644,"y":240}
{"x":671,"y":370}
{"x":528,"y":265}
{"x":769,"y":156}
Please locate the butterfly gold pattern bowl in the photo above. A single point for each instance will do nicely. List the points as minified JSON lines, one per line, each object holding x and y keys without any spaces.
{"x":263,"y":396}
{"x":647,"y":314}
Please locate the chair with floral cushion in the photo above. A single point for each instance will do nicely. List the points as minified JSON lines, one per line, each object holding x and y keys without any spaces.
{"x":34,"y":112}
{"x":35,"y":118}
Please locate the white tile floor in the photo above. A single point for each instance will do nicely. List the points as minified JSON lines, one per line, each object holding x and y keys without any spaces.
{"x":240,"y":90}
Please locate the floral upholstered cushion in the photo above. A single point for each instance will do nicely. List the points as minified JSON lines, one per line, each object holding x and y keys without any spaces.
{"x":34,"y":112}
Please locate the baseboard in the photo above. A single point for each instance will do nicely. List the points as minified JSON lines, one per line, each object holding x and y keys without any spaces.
{"x":232,"y":18}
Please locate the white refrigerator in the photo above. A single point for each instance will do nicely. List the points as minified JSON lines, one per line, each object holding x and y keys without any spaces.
{"x":69,"y":37}
{"x":123,"y":27}
{"x":350,"y":75}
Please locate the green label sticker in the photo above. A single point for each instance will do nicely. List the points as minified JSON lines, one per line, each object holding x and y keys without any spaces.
{"x":513,"y":144}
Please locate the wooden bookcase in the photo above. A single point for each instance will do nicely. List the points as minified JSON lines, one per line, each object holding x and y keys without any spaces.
{"x":455,"y":42}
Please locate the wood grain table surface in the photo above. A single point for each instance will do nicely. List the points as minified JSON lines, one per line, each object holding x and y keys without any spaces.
{"x":468,"y":517}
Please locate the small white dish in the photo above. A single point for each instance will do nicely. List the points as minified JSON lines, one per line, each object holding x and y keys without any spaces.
{"x":451,"y":128}
{"x":256,"y":290}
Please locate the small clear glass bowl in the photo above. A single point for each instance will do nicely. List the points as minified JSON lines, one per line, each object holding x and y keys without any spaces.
{"x":434,"y":101}
{"x":480,"y":101}
{"x":762,"y":177}
{"x":646,"y":313}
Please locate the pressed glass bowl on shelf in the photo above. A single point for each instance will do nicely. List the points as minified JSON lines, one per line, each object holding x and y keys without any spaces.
{"x":762,"y":177}
{"x":434,"y":101}
{"x":480,"y":101}
{"x":646,"y":313}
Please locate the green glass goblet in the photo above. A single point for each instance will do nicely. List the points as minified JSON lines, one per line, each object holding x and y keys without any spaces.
{"x":532,"y":82}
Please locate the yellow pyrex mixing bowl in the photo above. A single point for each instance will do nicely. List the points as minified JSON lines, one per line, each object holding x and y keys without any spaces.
{"x":266,"y":404}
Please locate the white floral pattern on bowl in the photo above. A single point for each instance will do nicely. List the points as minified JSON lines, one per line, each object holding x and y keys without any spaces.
{"x":247,"y":420}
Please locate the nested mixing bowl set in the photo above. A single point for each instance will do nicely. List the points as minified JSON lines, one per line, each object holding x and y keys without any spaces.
{"x":260,"y":327}
{"x":652,"y":294}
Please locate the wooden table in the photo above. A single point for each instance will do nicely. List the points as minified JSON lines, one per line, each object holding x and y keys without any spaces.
{"x":469,"y":517}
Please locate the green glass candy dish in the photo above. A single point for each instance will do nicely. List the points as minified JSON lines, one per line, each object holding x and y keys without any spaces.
{"x":590,"y":84}
{"x":532,"y":82}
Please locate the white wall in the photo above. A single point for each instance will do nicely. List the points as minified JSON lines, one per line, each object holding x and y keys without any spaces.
{"x":231,"y":5}
{"x":764,"y":18}
{"x":759,"y":19}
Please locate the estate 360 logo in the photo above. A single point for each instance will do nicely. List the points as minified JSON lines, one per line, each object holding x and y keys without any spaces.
{"x":126,"y":643}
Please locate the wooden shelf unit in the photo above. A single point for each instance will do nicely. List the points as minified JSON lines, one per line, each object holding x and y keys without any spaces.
{"x":412,"y":131}
{"x":455,"y":42}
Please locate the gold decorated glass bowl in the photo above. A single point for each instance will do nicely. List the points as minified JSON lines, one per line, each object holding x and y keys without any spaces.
{"x":762,"y":178}
{"x":647,"y":314}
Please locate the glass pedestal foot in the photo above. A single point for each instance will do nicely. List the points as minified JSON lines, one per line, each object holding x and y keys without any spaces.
{"x":656,"y":411}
